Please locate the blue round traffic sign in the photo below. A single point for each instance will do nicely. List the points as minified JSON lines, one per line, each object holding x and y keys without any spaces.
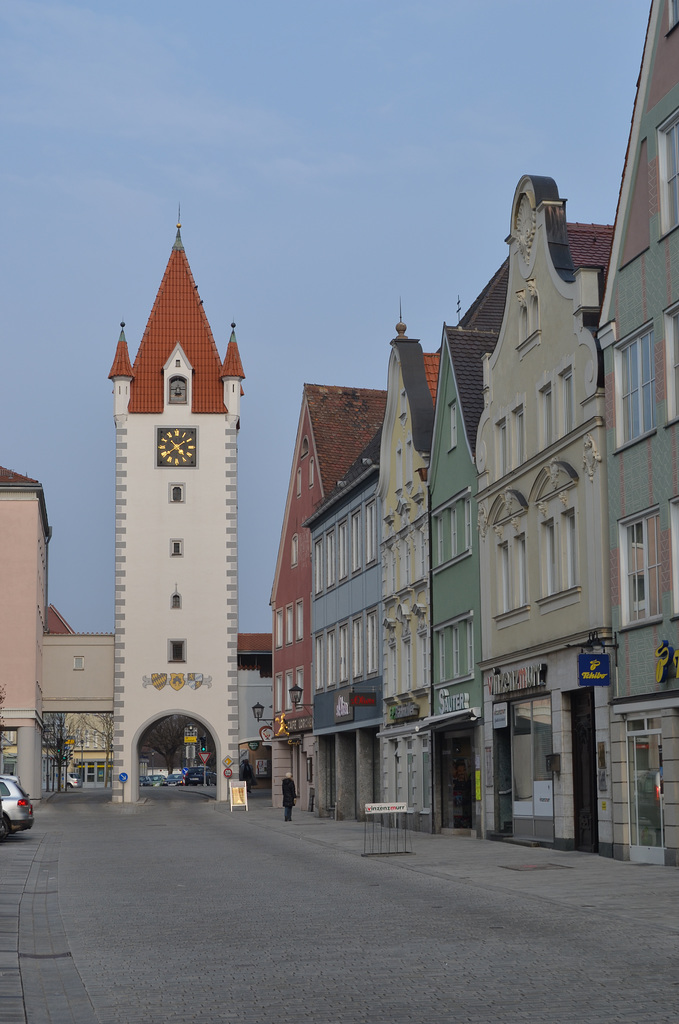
{"x":123,"y":776}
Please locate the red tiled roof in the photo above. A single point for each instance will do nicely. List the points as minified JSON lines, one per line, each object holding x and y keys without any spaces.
{"x":431,"y":369}
{"x":232,"y":366}
{"x":255,"y":642}
{"x":177,"y":316}
{"x":8,"y":476}
{"x":343,"y":420}
{"x":590,"y":244}
{"x":56,"y":623}
{"x":122,"y":367}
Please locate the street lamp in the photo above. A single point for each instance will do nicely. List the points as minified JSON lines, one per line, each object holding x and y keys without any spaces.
{"x":258,"y":712}
{"x":296,"y":697}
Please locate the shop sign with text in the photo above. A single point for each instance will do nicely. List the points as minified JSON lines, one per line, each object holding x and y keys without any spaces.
{"x":408,"y":710}
{"x":594,"y":670}
{"x":449,"y":702}
{"x":509,"y":680}
{"x":344,"y":710}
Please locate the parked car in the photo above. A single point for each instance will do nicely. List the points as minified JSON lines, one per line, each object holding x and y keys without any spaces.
{"x":176,"y":779}
{"x":194,"y":777}
{"x":145,"y":780}
{"x":157,"y":780}
{"x":73,"y":781}
{"x":17,"y":809}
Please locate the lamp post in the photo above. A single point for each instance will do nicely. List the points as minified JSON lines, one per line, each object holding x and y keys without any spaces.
{"x":296,"y":692}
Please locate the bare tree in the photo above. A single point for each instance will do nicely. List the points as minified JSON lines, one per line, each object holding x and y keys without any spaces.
{"x":167,"y":738}
{"x":54,"y":735}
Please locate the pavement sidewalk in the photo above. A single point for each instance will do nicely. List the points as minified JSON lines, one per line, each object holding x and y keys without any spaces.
{"x":39,"y":980}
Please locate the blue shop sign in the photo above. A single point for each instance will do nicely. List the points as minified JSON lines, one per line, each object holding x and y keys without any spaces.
{"x":594,"y":670}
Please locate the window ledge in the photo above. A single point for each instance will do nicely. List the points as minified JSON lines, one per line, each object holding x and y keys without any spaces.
{"x":563,"y":598}
{"x":452,"y":561}
{"x":670,"y":231}
{"x":525,"y":346}
{"x":512,"y":617}
{"x":635,"y":440}
{"x":652,"y":620}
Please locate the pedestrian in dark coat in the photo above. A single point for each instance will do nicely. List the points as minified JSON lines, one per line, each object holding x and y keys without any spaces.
{"x":289,"y":796}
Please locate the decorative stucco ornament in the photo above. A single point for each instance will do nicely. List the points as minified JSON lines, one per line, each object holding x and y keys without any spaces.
{"x":544,"y":509}
{"x":499,"y":531}
{"x":590,"y":456}
{"x":554,"y":470}
{"x":516,"y":523}
{"x":525,"y":227}
{"x":482,"y":521}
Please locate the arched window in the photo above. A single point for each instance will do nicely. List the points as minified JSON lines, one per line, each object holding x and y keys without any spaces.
{"x":305,"y":447}
{"x":178,"y":390}
{"x":177,"y":493}
{"x":176,"y":600}
{"x":311,"y":472}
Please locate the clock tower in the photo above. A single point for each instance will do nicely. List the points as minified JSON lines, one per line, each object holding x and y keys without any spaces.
{"x":177,"y":416}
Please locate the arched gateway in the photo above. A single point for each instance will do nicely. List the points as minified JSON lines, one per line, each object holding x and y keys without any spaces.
{"x":177,"y":415}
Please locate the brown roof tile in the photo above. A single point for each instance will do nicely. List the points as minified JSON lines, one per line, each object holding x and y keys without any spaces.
{"x":56,"y":623}
{"x":343,"y":420}
{"x":431,"y":369}
{"x":177,"y":316}
{"x":232,"y":366}
{"x":590,"y":244}
{"x":8,"y":476}
{"x":255,"y":642}
{"x":122,"y":367}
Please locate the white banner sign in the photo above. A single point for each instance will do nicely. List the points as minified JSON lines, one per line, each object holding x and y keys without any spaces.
{"x":386,"y":808}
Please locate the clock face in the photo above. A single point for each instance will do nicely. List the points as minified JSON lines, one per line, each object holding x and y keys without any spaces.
{"x":176,"y":446}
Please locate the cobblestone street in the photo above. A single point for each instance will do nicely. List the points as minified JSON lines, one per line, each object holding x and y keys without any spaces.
{"x":178,"y":910}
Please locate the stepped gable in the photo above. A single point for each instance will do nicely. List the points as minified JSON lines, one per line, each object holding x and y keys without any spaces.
{"x":343,"y":421}
{"x":474,"y":336}
{"x":590,"y":244}
{"x":177,"y":317}
{"x":8,"y":476}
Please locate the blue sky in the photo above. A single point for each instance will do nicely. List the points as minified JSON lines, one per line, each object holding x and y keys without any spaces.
{"x":331,"y":158}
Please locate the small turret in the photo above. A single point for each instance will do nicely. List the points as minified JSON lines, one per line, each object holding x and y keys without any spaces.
{"x":232,"y":375}
{"x":122,"y":376}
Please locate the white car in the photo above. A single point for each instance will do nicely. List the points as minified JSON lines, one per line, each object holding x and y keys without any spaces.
{"x":73,"y":781}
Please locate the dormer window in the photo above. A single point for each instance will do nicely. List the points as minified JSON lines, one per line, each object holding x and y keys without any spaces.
{"x":178,"y":391}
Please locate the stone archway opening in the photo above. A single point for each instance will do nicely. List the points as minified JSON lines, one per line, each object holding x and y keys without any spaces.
{"x":177,"y":750}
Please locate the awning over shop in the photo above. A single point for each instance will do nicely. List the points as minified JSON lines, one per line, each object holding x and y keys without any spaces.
{"x":452,"y":718}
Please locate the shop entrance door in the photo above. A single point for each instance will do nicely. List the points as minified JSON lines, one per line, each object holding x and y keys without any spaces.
{"x":456,"y":778}
{"x":645,"y":773}
{"x":584,"y":768}
{"x":533,"y":804}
